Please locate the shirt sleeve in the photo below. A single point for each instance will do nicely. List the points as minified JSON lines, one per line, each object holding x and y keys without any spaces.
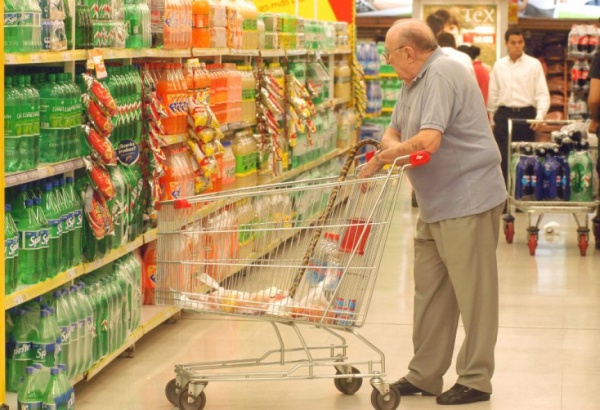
{"x":542,"y":95}
{"x":493,"y":94}
{"x":437,"y":107}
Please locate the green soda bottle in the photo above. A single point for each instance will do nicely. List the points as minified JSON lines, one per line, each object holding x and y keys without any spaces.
{"x":43,"y":344}
{"x":77,"y":211}
{"x":12,"y":101}
{"x":44,"y":233}
{"x":34,"y":119}
{"x":52,"y":118}
{"x":68,"y":221}
{"x":29,"y":396}
{"x":54,"y":396}
{"x":29,"y":245}
{"x":11,"y":252}
{"x":64,"y":324}
{"x":52,"y":213}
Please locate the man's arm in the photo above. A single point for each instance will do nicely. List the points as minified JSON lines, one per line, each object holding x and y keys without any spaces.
{"x":493,"y":95}
{"x":426,"y":140}
{"x":542,"y":95}
{"x":594,"y":105}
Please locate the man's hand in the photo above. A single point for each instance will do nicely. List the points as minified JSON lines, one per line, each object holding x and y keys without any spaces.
{"x":535,"y":126}
{"x":370,"y":168}
{"x":593,"y":127}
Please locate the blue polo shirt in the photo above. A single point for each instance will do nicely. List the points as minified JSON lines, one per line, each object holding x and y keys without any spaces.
{"x":463,"y":177}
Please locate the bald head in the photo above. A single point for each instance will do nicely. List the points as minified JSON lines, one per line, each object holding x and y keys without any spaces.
{"x":414,"y":33}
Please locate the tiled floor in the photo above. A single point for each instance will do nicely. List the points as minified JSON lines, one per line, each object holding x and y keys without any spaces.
{"x":548,"y":355}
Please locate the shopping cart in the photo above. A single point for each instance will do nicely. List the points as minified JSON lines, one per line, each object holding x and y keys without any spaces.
{"x":259,"y":263}
{"x":537,"y":209}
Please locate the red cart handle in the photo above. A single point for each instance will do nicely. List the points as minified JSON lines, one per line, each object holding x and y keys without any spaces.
{"x":419,"y":158}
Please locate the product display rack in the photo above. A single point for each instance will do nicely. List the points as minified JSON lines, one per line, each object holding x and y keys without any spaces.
{"x":152,"y":316}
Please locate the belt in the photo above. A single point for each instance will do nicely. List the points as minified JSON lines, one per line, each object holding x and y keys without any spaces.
{"x":516,"y":109}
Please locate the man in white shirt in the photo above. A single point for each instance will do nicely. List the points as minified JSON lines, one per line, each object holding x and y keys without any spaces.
{"x":448,"y":45}
{"x":518,"y":89}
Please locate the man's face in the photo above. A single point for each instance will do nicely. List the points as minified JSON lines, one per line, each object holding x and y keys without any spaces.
{"x":515,"y":46}
{"x":395,"y":55}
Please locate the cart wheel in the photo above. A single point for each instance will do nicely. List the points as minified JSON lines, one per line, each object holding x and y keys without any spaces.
{"x":171,"y":392}
{"x":390,"y":401}
{"x":532,"y":243}
{"x":509,"y":231}
{"x":348,"y":385}
{"x":198,"y":403}
{"x":583,"y":243}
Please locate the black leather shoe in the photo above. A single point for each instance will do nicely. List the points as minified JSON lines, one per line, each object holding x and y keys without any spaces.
{"x":460,"y":394}
{"x":405,"y":388}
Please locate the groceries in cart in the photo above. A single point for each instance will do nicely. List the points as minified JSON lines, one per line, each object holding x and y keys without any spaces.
{"x":562,"y":170}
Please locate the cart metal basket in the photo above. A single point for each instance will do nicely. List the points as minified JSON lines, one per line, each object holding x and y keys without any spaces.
{"x":251,"y":253}
{"x":536,"y":210}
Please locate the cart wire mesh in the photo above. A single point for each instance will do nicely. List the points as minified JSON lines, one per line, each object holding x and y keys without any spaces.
{"x":238,"y":252}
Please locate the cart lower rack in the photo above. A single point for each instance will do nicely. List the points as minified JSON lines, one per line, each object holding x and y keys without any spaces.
{"x":251,"y":253}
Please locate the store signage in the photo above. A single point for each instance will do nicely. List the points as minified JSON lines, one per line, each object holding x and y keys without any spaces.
{"x":327,"y":10}
{"x":128,"y":152}
{"x":470,"y":24}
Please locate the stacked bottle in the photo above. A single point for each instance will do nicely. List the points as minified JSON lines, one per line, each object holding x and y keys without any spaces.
{"x":54,"y":32}
{"x":582,"y":45}
{"x":234,"y":93}
{"x":247,"y":9}
{"x":200,"y":25}
{"x":390,"y":88}
{"x":180,"y":167}
{"x":137,"y":23}
{"x":107,"y":18}
{"x":125,"y":86}
{"x":22,"y":27}
{"x":248,"y":94}
{"x":171,"y":89}
{"x":22,"y":124}
{"x":84,"y":30}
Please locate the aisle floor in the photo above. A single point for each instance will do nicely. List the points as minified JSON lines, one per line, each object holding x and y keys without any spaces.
{"x":547,"y":351}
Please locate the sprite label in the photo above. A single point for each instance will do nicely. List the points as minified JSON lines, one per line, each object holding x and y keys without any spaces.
{"x":30,"y":240}
{"x":44,"y":353}
{"x":55,"y":226}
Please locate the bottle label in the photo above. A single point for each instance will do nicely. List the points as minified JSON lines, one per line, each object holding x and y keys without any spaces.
{"x":30,"y":240}
{"x":44,"y":353}
{"x":248,"y":94}
{"x":89,"y":325}
{"x":55,"y":226}
{"x":245,"y":164}
{"x":22,"y":351}
{"x":49,"y":406}
{"x":249,"y":25}
{"x":11,"y":19}
{"x":44,"y":238}
{"x":26,"y":19}
{"x":29,"y":406}
{"x":78,"y":219}
{"x":70,"y":222}
{"x":65,"y":333}
{"x":11,"y":247}
{"x":246,"y":234}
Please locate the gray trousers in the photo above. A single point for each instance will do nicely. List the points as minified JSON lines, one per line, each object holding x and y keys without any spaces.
{"x":456,"y":275}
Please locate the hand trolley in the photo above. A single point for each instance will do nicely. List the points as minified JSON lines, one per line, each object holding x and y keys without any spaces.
{"x":250,"y":253}
{"x":579,"y":210}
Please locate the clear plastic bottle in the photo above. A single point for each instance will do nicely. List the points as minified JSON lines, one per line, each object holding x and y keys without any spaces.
{"x":228,"y":169}
{"x":325,"y":262}
{"x":246,"y":152}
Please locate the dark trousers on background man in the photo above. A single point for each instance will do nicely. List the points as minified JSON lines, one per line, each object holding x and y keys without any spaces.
{"x":520,"y":131}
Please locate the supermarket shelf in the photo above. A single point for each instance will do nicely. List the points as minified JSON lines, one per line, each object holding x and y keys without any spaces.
{"x":28,"y":292}
{"x":174,"y":139}
{"x":371,"y":77}
{"x":113,"y":53}
{"x":152,"y":316}
{"x":151,"y":235}
{"x":236,"y":126}
{"x":387,"y":109}
{"x":113,"y":255}
{"x":44,"y":57}
{"x":372,"y":115}
{"x":44,"y":171}
{"x":388,"y":75}
{"x":297,"y":171}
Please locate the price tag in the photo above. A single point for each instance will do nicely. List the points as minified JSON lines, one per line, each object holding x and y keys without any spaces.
{"x":66,"y":56}
{"x":19,"y":299}
{"x":34,"y":58}
{"x":44,"y":172}
{"x":71,"y":273}
{"x":96,"y":62}
{"x":9,"y":59}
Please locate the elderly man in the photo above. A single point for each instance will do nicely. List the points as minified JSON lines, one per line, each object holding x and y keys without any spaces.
{"x":461,"y":194}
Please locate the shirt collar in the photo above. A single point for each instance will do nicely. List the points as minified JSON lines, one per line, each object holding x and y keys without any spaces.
{"x":434,"y":56}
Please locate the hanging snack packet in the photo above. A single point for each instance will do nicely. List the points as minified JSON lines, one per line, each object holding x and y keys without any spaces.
{"x":97,"y":214}
{"x":100,"y":95}
{"x":100,"y":179}
{"x":102,"y":124}
{"x":101,"y":148}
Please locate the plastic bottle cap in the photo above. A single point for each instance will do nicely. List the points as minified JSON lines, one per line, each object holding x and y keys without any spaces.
{"x":28,"y":202}
{"x":7,"y":208}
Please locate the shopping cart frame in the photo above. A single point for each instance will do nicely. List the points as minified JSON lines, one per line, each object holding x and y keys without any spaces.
{"x":186,"y":390}
{"x":536,"y":210}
